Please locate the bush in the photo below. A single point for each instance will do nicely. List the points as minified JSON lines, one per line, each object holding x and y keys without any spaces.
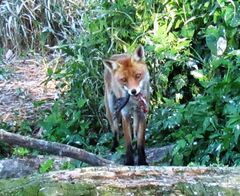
{"x":193,"y":58}
{"x":206,"y":128}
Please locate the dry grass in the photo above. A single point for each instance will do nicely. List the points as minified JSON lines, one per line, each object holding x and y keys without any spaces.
{"x":32,"y":24}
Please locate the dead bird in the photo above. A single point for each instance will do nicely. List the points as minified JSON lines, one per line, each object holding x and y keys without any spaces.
{"x":120,"y":104}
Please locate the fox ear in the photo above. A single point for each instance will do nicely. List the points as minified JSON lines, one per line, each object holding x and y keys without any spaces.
{"x":111,"y":65}
{"x":139,"y":54}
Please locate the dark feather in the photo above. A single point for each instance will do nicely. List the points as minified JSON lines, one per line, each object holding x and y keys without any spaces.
{"x":120,"y":104}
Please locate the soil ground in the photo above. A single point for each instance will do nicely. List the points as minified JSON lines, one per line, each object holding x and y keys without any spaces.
{"x":23,"y":89}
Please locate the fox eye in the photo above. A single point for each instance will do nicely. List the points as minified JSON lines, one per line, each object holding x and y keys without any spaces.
{"x":138,"y":75}
{"x":124,"y":80}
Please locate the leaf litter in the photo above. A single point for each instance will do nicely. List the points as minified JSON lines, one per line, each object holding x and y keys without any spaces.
{"x":24,"y":91}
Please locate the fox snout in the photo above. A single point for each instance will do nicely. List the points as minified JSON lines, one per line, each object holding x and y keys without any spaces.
{"x":133,"y":91}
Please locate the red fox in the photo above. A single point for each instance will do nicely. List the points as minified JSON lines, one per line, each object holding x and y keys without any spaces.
{"x":127,"y":75}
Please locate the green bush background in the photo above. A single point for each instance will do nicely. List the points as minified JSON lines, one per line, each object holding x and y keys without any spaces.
{"x":192,"y":51}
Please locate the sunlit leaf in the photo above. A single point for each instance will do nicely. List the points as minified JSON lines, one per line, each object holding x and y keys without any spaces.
{"x":215,"y":39}
{"x":221,"y":45}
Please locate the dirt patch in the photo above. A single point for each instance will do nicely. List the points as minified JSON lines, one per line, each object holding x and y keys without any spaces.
{"x":23,"y":89}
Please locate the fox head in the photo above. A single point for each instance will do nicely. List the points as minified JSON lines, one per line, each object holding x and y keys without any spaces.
{"x":129,"y":71}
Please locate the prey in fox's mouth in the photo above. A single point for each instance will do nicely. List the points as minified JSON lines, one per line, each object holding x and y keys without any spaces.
{"x":121,"y":102}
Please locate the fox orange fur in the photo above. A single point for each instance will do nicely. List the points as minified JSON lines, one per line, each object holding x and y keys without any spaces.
{"x":126,"y":75}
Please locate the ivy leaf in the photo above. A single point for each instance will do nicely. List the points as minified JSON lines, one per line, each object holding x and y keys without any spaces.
{"x":221,"y":45}
{"x":232,"y":16}
{"x":180,"y":81}
{"x":216,"y":41}
{"x":180,"y":145}
{"x":188,"y":30}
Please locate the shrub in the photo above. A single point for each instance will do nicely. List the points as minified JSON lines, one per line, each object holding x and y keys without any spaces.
{"x":194,"y":63}
{"x":206,"y":128}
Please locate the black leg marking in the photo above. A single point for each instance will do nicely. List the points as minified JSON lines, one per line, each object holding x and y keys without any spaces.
{"x":115,"y":142}
{"x":141,"y":156}
{"x":129,"y":155}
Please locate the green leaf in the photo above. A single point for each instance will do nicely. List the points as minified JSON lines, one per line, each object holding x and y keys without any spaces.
{"x":221,"y":2}
{"x":230,"y":108}
{"x":105,"y":138}
{"x":20,"y":151}
{"x":235,"y":52}
{"x":206,"y":123}
{"x":205,"y":160}
{"x":178,"y":159}
{"x":81,"y":102}
{"x":46,"y":166}
{"x":236,"y":133}
{"x":232,"y":16}
{"x":180,"y":81}
{"x":233,"y":120}
{"x":188,"y":30}
{"x":216,"y":40}
{"x":214,"y":135}
{"x":189,"y":138}
{"x":180,"y":145}
{"x":49,"y":71}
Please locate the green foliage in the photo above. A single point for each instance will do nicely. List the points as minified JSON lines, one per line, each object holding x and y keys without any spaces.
{"x":193,"y":55}
{"x":206,"y":128}
{"x":25,"y":127}
{"x":4,"y":72}
{"x":46,"y":166}
{"x":68,"y":165}
{"x":65,"y":122}
{"x":20,"y":151}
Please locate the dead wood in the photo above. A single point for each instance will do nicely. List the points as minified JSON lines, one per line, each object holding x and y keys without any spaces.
{"x":143,"y":180}
{"x":53,"y":148}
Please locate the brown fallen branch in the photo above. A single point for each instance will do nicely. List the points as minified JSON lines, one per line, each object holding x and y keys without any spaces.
{"x":53,"y":148}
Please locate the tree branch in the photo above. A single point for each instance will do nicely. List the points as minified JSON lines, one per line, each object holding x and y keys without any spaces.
{"x":53,"y":148}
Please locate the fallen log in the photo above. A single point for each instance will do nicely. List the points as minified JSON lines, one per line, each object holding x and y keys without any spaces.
{"x":122,"y":180}
{"x":17,"y":167}
{"x":53,"y":148}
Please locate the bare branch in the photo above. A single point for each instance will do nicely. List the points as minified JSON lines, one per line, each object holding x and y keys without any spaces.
{"x":53,"y":148}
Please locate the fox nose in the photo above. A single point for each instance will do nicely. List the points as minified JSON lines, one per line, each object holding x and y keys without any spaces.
{"x":133,"y":91}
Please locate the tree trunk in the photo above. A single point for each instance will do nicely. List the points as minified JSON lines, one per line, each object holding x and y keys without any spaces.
{"x":122,"y":180}
{"x":53,"y":148}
